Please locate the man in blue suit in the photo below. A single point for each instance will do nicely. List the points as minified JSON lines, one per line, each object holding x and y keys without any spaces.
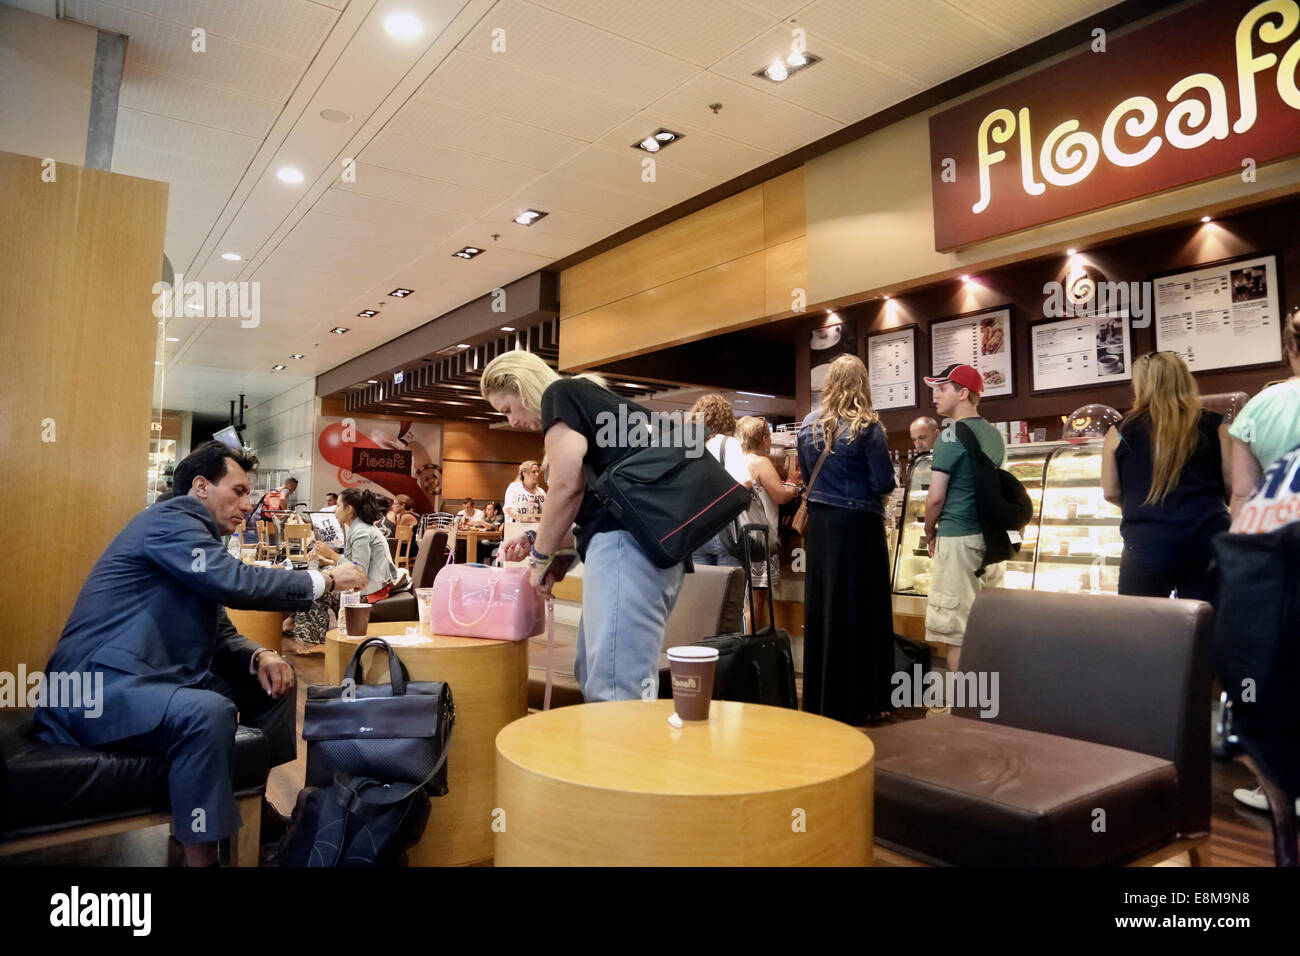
{"x":175,"y":674}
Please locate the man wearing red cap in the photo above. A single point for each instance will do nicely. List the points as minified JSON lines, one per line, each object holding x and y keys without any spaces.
{"x":952,"y":525}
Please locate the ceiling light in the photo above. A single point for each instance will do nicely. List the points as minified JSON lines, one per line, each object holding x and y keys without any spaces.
{"x":298,"y":355}
{"x":529,"y":216}
{"x":338,"y":331}
{"x":506,"y":328}
{"x":401,"y":293}
{"x":659,"y":138}
{"x":965,"y":278}
{"x":756,"y":394}
{"x":288,"y":174}
{"x":1205,"y":219}
{"x":779,"y":71}
{"x":469,"y":252}
{"x":335,"y":116}
{"x":1071,"y":252}
{"x":404,"y":26}
{"x":462,"y":345}
{"x":232,"y":257}
{"x":372,"y":381}
{"x":887,"y":298}
{"x":277,"y":368}
{"x":367,"y":314}
{"x":157,"y":363}
{"x":172,"y":339}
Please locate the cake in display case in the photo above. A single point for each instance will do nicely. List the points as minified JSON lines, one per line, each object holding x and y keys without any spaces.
{"x":1072,"y":543}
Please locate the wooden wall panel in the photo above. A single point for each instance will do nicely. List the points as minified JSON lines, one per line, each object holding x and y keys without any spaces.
{"x":783,"y":208}
{"x":785,"y":268}
{"x":78,"y":260}
{"x":715,"y":300}
{"x":725,"y":230}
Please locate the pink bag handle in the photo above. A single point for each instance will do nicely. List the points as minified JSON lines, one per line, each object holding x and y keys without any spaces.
{"x":451,"y":603}
{"x":550,"y":650}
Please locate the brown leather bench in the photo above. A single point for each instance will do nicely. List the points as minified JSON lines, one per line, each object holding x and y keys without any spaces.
{"x":1099,"y":753}
{"x":709,"y":603}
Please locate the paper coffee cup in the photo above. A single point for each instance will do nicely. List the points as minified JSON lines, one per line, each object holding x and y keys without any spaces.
{"x":691,"y":672}
{"x":424,"y":606}
{"x":357,"y":619}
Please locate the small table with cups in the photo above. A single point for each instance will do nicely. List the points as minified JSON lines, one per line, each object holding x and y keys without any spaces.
{"x":489,"y":686}
{"x":615,"y":784}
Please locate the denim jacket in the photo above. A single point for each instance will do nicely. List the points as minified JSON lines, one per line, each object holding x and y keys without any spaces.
{"x":856,"y":474}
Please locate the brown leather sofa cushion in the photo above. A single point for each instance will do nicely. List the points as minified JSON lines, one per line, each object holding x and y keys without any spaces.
{"x":968,"y":792}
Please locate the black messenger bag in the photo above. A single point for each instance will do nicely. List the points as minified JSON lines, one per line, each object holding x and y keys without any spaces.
{"x":1001,"y":500}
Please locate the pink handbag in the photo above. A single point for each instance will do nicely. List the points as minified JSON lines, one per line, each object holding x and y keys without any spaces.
{"x":478,"y":601}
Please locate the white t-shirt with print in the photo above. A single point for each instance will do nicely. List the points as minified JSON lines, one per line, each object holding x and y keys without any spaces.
{"x":735,"y":463}
{"x":523,"y":501}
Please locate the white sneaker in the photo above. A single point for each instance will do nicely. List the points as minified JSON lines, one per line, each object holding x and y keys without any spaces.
{"x":1255,"y":799}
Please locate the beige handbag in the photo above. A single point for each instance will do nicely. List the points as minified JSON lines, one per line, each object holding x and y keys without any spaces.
{"x":800,"y":521}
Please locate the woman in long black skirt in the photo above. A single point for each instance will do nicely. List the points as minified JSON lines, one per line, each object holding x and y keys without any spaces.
{"x":848,"y":615}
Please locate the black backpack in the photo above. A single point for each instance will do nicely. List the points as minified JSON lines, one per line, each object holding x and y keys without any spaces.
{"x":671,"y":503}
{"x":1001,"y":500}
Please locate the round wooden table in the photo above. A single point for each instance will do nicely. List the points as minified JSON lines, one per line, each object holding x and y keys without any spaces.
{"x":263,"y":627}
{"x":613,"y":784}
{"x":489,"y":686}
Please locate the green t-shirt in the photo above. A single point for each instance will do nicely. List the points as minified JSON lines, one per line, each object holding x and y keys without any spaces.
{"x":959,"y":516}
{"x":1270,"y":422}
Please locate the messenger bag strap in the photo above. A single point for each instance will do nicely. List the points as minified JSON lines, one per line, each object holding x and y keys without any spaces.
{"x":817,"y":469}
{"x":967,"y":436}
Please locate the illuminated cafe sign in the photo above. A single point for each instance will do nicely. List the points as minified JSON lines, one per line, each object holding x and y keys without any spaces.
{"x":380,"y":459}
{"x":1207,"y":91}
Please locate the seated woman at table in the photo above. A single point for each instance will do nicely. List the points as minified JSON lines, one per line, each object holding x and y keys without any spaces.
{"x":401,"y":514}
{"x":365,"y":546}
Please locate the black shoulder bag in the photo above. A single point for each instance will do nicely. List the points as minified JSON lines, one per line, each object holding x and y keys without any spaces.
{"x":1001,"y":500}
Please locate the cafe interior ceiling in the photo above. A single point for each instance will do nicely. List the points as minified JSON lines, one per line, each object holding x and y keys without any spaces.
{"x":411,"y":149}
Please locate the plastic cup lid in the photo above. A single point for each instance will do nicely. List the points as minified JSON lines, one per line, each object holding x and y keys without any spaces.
{"x":692,"y":653}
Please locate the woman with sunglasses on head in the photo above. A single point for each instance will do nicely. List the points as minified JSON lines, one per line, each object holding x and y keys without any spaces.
{"x":1167,"y":465}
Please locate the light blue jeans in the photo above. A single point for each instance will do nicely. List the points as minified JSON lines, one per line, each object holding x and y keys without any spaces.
{"x":626,"y":600}
{"x":713,"y":554}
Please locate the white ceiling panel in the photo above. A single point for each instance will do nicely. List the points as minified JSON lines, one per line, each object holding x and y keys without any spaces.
{"x":418,"y":191}
{"x":621,"y":169}
{"x":401,"y":216}
{"x":286,"y":26}
{"x":840,"y":86}
{"x":191,"y":140}
{"x":701,"y":153}
{"x":749,"y":115}
{"x":153,"y":92}
{"x":699,"y":32}
{"x":778,"y":8}
{"x":394,"y":151}
{"x":160,"y":45}
{"x":557,"y":192}
{"x":886,"y":32}
{"x":581,"y":56}
{"x":517,"y":238}
{"x":425,"y":228}
{"x":495,"y":87}
{"x":433,"y":121}
{"x":1029,"y":20}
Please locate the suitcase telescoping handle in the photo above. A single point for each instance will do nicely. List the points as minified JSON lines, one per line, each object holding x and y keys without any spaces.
{"x":746,"y":530}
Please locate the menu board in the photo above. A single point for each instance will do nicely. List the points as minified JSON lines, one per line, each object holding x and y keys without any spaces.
{"x":891,"y":362}
{"x":1223,"y":315}
{"x":1084,"y":350}
{"x":980,"y":339}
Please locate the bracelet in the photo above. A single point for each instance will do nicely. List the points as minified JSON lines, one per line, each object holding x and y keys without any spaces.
{"x":538,"y":556}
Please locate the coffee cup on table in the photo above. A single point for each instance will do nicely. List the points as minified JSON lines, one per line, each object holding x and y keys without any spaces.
{"x":424,"y":606}
{"x":356,"y":618}
{"x":691,"y":672}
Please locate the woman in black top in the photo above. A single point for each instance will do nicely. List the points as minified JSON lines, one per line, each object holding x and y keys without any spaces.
{"x":1168,"y":467}
{"x":626,"y":598}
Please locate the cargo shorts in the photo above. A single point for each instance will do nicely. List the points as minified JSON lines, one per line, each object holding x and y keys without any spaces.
{"x":954,"y":586}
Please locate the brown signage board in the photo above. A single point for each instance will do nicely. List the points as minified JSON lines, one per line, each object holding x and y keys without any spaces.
{"x":1200,"y":93}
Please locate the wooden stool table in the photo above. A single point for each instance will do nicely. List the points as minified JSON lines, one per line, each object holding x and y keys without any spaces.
{"x":263,"y":627}
{"x":613,"y":784}
{"x":489,"y":686}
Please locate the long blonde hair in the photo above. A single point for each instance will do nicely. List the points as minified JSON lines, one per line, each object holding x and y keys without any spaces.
{"x":1164,"y":389}
{"x":846,"y":395}
{"x":524,"y":374}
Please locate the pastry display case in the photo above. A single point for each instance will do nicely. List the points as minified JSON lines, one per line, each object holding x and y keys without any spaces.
{"x":1072,"y":543}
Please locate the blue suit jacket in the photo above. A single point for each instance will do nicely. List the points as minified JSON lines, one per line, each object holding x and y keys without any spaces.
{"x":147,"y":619}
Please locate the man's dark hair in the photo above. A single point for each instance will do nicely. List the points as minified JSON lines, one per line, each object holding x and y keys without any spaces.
{"x":467,"y":500}
{"x":208,"y":460}
{"x":331,"y":494}
{"x":294,"y":480}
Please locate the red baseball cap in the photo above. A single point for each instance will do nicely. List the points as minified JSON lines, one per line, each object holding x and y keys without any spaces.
{"x":964,"y":375}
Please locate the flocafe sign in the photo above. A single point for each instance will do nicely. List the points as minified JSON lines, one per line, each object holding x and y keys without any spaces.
{"x":1200,"y":93}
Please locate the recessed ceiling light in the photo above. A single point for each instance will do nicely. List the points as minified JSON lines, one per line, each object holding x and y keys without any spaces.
{"x":277,"y":368}
{"x":335,"y":116}
{"x":469,"y":252}
{"x":298,"y":355}
{"x":1071,"y":252}
{"x":1205,"y":219}
{"x":404,"y":26}
{"x":232,"y":257}
{"x":507,"y":328}
{"x":338,"y":331}
{"x":372,"y":381}
{"x":171,"y":338}
{"x":157,"y":363}
{"x":659,"y":138}
{"x":367,"y":314}
{"x":778,"y":71}
{"x":965,"y":278}
{"x":887,"y":298}
{"x":462,"y":345}
{"x":288,"y":174}
{"x":529,"y":216}
{"x":401,"y":293}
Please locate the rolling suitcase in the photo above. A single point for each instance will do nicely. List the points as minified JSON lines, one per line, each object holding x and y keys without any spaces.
{"x":755,"y":668}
